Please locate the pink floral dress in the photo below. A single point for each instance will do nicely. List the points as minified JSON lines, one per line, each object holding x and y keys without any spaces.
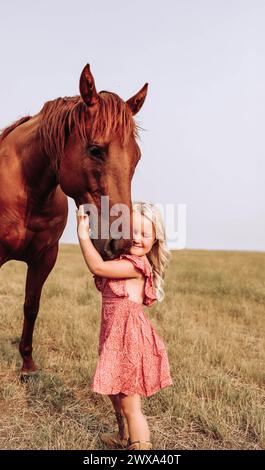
{"x":132,"y":357}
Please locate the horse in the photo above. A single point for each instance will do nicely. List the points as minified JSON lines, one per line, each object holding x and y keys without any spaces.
{"x":84,"y":147}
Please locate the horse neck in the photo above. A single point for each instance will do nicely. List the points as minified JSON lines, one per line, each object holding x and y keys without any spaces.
{"x":37,"y":171}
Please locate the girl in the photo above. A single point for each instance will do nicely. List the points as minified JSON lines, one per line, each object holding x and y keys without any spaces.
{"x":132,"y":358}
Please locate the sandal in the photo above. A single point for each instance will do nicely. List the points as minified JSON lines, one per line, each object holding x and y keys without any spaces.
{"x":114,"y":440}
{"x":139,"y":445}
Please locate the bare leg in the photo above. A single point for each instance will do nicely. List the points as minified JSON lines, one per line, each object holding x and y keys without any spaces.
{"x":137,"y":423}
{"x":121,"y":420}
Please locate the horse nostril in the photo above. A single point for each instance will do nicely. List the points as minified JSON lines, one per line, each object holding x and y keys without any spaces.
{"x":109,"y":248}
{"x":113,"y":248}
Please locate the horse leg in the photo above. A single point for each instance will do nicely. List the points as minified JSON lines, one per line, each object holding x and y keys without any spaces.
{"x":37,"y":274}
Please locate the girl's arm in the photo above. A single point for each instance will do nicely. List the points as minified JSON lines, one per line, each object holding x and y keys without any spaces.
{"x":95,"y":263}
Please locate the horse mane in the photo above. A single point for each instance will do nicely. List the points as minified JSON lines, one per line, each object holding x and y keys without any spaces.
{"x":60,"y":116}
{"x":10,"y":128}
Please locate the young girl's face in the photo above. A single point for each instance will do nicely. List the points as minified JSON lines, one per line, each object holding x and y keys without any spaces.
{"x":143,"y":235}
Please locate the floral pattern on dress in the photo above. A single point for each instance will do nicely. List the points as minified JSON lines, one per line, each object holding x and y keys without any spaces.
{"x":132,"y":356}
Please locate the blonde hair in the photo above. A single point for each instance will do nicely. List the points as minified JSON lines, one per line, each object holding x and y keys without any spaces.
{"x":159,"y":255}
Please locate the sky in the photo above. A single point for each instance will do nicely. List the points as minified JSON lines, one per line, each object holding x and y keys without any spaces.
{"x":203,"y":143}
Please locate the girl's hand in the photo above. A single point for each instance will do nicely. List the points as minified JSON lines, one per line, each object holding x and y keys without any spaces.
{"x":82,"y":223}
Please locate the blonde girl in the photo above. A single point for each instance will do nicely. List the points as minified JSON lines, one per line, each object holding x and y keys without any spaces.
{"x":132,"y":360}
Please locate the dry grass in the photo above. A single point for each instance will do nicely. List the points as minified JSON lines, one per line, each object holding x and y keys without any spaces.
{"x":212,"y":322}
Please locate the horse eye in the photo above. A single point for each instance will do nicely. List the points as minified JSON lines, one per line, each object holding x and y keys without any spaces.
{"x":95,"y":151}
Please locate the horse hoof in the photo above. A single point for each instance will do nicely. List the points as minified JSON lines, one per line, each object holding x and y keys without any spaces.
{"x":26,"y":376}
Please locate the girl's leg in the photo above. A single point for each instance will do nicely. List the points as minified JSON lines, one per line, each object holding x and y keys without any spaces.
{"x":137,"y":423}
{"x":121,"y":420}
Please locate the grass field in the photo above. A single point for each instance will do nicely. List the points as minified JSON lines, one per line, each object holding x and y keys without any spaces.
{"x":212,"y":321}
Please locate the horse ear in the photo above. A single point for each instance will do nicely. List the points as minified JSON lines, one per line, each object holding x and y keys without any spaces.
{"x":87,"y":87}
{"x":136,"y":102}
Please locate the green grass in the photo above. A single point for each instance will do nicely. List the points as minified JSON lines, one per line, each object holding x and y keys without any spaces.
{"x":212,"y":321}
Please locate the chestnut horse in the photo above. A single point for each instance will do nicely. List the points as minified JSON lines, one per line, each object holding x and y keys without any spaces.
{"x":83,"y":147}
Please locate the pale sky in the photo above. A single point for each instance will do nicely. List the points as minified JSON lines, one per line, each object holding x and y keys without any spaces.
{"x":204,"y":116}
